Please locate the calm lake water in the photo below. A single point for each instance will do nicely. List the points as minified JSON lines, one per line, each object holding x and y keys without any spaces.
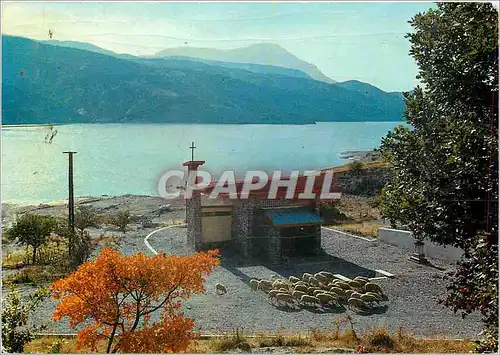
{"x":117,"y":159}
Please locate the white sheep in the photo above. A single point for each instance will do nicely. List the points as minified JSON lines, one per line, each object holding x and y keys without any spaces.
{"x":301,"y":288}
{"x":277,"y":282}
{"x":321,"y":278}
{"x":369,"y":298}
{"x":376,"y":295}
{"x":343,"y":285}
{"x":362,"y":279}
{"x":335,"y":295}
{"x":254,"y":284}
{"x":326,"y":292}
{"x":277,"y":286}
{"x":325,"y":298}
{"x":272,"y":294}
{"x":348,"y":293}
{"x":220,"y":289}
{"x":373,"y":287}
{"x":306,"y":276}
{"x":324,"y":287}
{"x":356,"y":303}
{"x":355,"y":284}
{"x":314,"y":282}
{"x":311,"y":289}
{"x":298,"y":294}
{"x":327,"y":274}
{"x":294,"y":279}
{"x":284,"y":297}
{"x":307,"y":299}
{"x":299,"y":283}
{"x":316,"y":292}
{"x":339,"y":291}
{"x":265,"y":285}
{"x":355,"y":295}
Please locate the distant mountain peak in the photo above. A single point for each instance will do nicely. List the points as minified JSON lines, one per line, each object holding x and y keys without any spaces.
{"x":268,"y":45}
{"x":259,"y":53}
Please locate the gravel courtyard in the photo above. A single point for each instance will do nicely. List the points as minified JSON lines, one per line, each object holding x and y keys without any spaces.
{"x":412,"y":294}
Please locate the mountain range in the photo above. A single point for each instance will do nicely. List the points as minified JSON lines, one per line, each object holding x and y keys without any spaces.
{"x":261,"y":53}
{"x":64,"y":82}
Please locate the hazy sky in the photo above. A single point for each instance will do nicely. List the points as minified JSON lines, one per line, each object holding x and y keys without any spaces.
{"x":363,"y":41}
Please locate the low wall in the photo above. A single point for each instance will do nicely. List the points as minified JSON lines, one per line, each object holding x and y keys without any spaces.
{"x":405,"y":240}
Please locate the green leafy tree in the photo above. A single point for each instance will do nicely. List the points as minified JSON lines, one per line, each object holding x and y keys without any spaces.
{"x":121,"y":220}
{"x":85,"y":218}
{"x":445,"y":184}
{"x":32,"y":230}
{"x":15,"y":312}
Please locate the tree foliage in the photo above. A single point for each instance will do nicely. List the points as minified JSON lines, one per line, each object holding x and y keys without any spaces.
{"x":121,"y":220}
{"x":445,"y":184}
{"x":32,"y":230}
{"x":115,"y":295}
{"x":15,"y":312}
{"x":356,"y":167}
{"x":79,"y":243}
{"x":85,"y":218}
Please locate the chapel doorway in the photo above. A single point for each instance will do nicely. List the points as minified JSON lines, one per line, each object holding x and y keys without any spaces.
{"x":298,"y":241}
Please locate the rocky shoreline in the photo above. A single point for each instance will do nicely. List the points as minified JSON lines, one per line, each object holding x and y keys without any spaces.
{"x":138,"y":205}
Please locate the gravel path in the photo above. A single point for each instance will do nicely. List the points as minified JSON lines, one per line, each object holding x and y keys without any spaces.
{"x":412,"y":294}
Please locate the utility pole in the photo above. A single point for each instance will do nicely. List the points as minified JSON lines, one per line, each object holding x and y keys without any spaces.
{"x":71,"y":201}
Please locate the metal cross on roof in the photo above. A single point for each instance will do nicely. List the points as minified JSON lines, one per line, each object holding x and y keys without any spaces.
{"x":192,"y":150}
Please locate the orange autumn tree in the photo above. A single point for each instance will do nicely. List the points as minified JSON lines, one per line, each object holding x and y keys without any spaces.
{"x":115,"y":295}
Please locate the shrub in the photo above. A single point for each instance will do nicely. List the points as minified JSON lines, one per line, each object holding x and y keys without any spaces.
{"x":57,"y":345}
{"x":79,"y":244}
{"x":146,"y":221}
{"x":14,"y":260}
{"x":85,"y":218}
{"x":15,"y":330}
{"x":356,"y":167}
{"x":38,"y":275}
{"x":331,"y":213}
{"x":279,"y":340}
{"x":298,"y":341}
{"x":374,"y":201}
{"x":380,"y":340}
{"x":121,"y":220}
{"x":235,"y":341}
{"x":349,"y":336}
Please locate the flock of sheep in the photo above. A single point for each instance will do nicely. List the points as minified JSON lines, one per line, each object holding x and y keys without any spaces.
{"x":320,"y":290}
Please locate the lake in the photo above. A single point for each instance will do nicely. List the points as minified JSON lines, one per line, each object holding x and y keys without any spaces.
{"x":117,"y":159}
